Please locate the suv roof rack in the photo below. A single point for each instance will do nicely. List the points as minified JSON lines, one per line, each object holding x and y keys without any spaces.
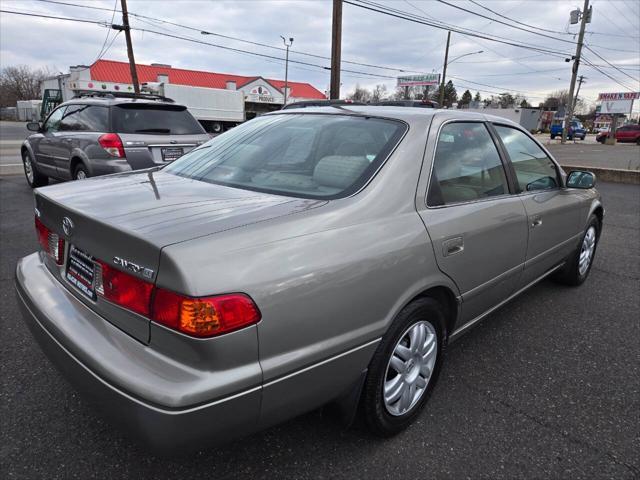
{"x":320,"y":103}
{"x":141,"y":96}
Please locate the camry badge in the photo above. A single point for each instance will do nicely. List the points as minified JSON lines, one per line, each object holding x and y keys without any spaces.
{"x":67,"y":226}
{"x":133,"y":267}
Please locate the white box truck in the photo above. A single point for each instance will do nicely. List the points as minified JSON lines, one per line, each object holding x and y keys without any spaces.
{"x":215,"y":108}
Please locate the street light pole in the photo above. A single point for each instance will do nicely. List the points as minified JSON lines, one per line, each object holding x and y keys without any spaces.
{"x":286,"y":66}
{"x":446,"y":62}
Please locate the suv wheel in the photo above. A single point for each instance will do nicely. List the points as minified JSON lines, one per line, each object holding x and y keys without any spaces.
{"x":80,"y":172}
{"x":404,"y":368}
{"x":34,"y":178}
{"x":578,"y":264}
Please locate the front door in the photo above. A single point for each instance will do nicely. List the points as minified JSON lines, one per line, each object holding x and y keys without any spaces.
{"x":552,"y":211}
{"x":47,"y":149}
{"x":477,"y":228}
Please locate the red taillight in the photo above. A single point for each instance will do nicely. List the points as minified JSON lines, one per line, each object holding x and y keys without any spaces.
{"x":123,"y":289}
{"x":50,"y":242}
{"x":112,"y":144}
{"x":204,"y":317}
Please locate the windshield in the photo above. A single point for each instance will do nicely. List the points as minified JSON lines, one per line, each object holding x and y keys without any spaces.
{"x":155,"y":119}
{"x":302,"y":155}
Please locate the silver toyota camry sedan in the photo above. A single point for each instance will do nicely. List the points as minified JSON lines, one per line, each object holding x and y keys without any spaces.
{"x":309,"y":256}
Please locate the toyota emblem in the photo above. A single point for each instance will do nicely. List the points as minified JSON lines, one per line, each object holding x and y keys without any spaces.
{"x":67,"y":226}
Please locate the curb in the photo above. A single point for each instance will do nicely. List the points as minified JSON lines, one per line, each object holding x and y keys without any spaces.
{"x":609,"y":174}
{"x":11,"y":169}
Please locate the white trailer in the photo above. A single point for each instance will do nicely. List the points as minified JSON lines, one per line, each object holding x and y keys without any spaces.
{"x":215,"y":108}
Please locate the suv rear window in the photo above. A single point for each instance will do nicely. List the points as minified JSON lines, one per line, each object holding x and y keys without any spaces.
{"x":154,"y":120}
{"x":301,"y":155}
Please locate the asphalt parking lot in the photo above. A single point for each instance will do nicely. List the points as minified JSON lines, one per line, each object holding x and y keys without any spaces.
{"x":546,"y":387}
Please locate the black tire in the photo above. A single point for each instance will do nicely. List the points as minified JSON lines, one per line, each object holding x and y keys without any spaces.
{"x":80,"y":170}
{"x":570,"y":274}
{"x":378,"y":418}
{"x":216,"y":127}
{"x":638,"y":141}
{"x":37,"y":179}
{"x":553,"y":137}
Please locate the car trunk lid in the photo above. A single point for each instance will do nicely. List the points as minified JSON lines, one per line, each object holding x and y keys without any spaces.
{"x":125,"y":220}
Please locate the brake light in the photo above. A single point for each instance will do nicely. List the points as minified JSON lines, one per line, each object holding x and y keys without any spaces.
{"x":112,"y":143}
{"x":50,"y":242}
{"x":204,"y":317}
{"x":123,"y":289}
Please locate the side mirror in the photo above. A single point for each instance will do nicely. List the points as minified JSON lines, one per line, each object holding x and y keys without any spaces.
{"x":581,"y":179}
{"x":33,"y":126}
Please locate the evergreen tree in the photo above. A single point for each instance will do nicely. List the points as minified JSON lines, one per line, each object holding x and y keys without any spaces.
{"x":466,"y":98}
{"x":477,"y":98}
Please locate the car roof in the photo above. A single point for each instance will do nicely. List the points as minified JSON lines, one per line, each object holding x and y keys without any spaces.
{"x":405,"y":114}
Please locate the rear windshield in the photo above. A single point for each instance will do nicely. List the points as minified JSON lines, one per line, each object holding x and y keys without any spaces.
{"x":302,"y":155}
{"x":154,"y":119}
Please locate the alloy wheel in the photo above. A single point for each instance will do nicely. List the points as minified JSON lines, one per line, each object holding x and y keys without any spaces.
{"x":410,"y":367}
{"x":586,"y":252}
{"x":28,"y":168}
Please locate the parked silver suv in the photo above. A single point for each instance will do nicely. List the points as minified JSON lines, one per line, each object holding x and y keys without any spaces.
{"x":307,"y":256}
{"x":100,"y":134}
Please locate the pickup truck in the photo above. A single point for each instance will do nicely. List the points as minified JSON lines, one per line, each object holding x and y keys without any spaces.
{"x":575,"y":129}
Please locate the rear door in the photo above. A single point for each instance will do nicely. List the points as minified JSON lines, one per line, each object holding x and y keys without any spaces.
{"x":477,"y":228}
{"x":553,"y":212}
{"x":81,"y":126}
{"x":156,"y":133}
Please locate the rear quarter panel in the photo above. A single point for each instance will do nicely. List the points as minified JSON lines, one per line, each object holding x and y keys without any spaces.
{"x":326,"y":281}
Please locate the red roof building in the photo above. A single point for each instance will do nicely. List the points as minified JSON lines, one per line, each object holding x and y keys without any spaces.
{"x":118,"y":72}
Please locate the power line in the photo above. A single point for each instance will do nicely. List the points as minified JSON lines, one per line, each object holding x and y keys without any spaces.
{"x":609,"y":63}
{"x":250,"y":42}
{"x":106,"y":38}
{"x":55,"y":17}
{"x":505,"y":23}
{"x":610,"y":77}
{"x":516,"y":21}
{"x":442,"y":26}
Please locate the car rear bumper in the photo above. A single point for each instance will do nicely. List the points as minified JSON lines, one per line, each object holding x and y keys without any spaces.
{"x":62,"y":324}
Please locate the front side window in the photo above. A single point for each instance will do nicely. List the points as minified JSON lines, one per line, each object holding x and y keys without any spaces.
{"x":534,"y":169}
{"x":303,"y":155}
{"x":467,"y":166}
{"x":53,"y":122}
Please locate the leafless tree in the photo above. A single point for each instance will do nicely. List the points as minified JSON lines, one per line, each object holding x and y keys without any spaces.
{"x":360,"y":94}
{"x":379,"y":93}
{"x":20,"y":82}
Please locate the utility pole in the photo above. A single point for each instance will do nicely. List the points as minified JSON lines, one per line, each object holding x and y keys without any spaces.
{"x":286,"y":67}
{"x":586,"y":14}
{"x":580,"y":82}
{"x":336,"y":48}
{"x":127,"y":34}
{"x":444,"y":69}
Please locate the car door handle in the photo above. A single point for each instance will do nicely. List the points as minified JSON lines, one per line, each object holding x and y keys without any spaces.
{"x":68,"y":139}
{"x":536,"y":221}
{"x":452,"y":246}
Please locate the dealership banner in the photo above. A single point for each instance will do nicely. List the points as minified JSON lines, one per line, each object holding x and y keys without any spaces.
{"x":419,"y":80}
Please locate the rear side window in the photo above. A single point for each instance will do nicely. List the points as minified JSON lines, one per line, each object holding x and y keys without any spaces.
{"x":155,"y":120}
{"x":53,"y":122}
{"x":301,"y":155}
{"x":466,"y":166}
{"x":534,"y":169}
{"x":85,"y":118}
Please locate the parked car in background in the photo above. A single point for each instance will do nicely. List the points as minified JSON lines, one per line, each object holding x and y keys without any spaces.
{"x":626,"y":133}
{"x":576,"y":129}
{"x":100,"y":134}
{"x":307,"y":256}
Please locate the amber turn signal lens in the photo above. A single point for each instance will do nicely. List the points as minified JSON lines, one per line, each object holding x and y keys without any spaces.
{"x":206,"y":316}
